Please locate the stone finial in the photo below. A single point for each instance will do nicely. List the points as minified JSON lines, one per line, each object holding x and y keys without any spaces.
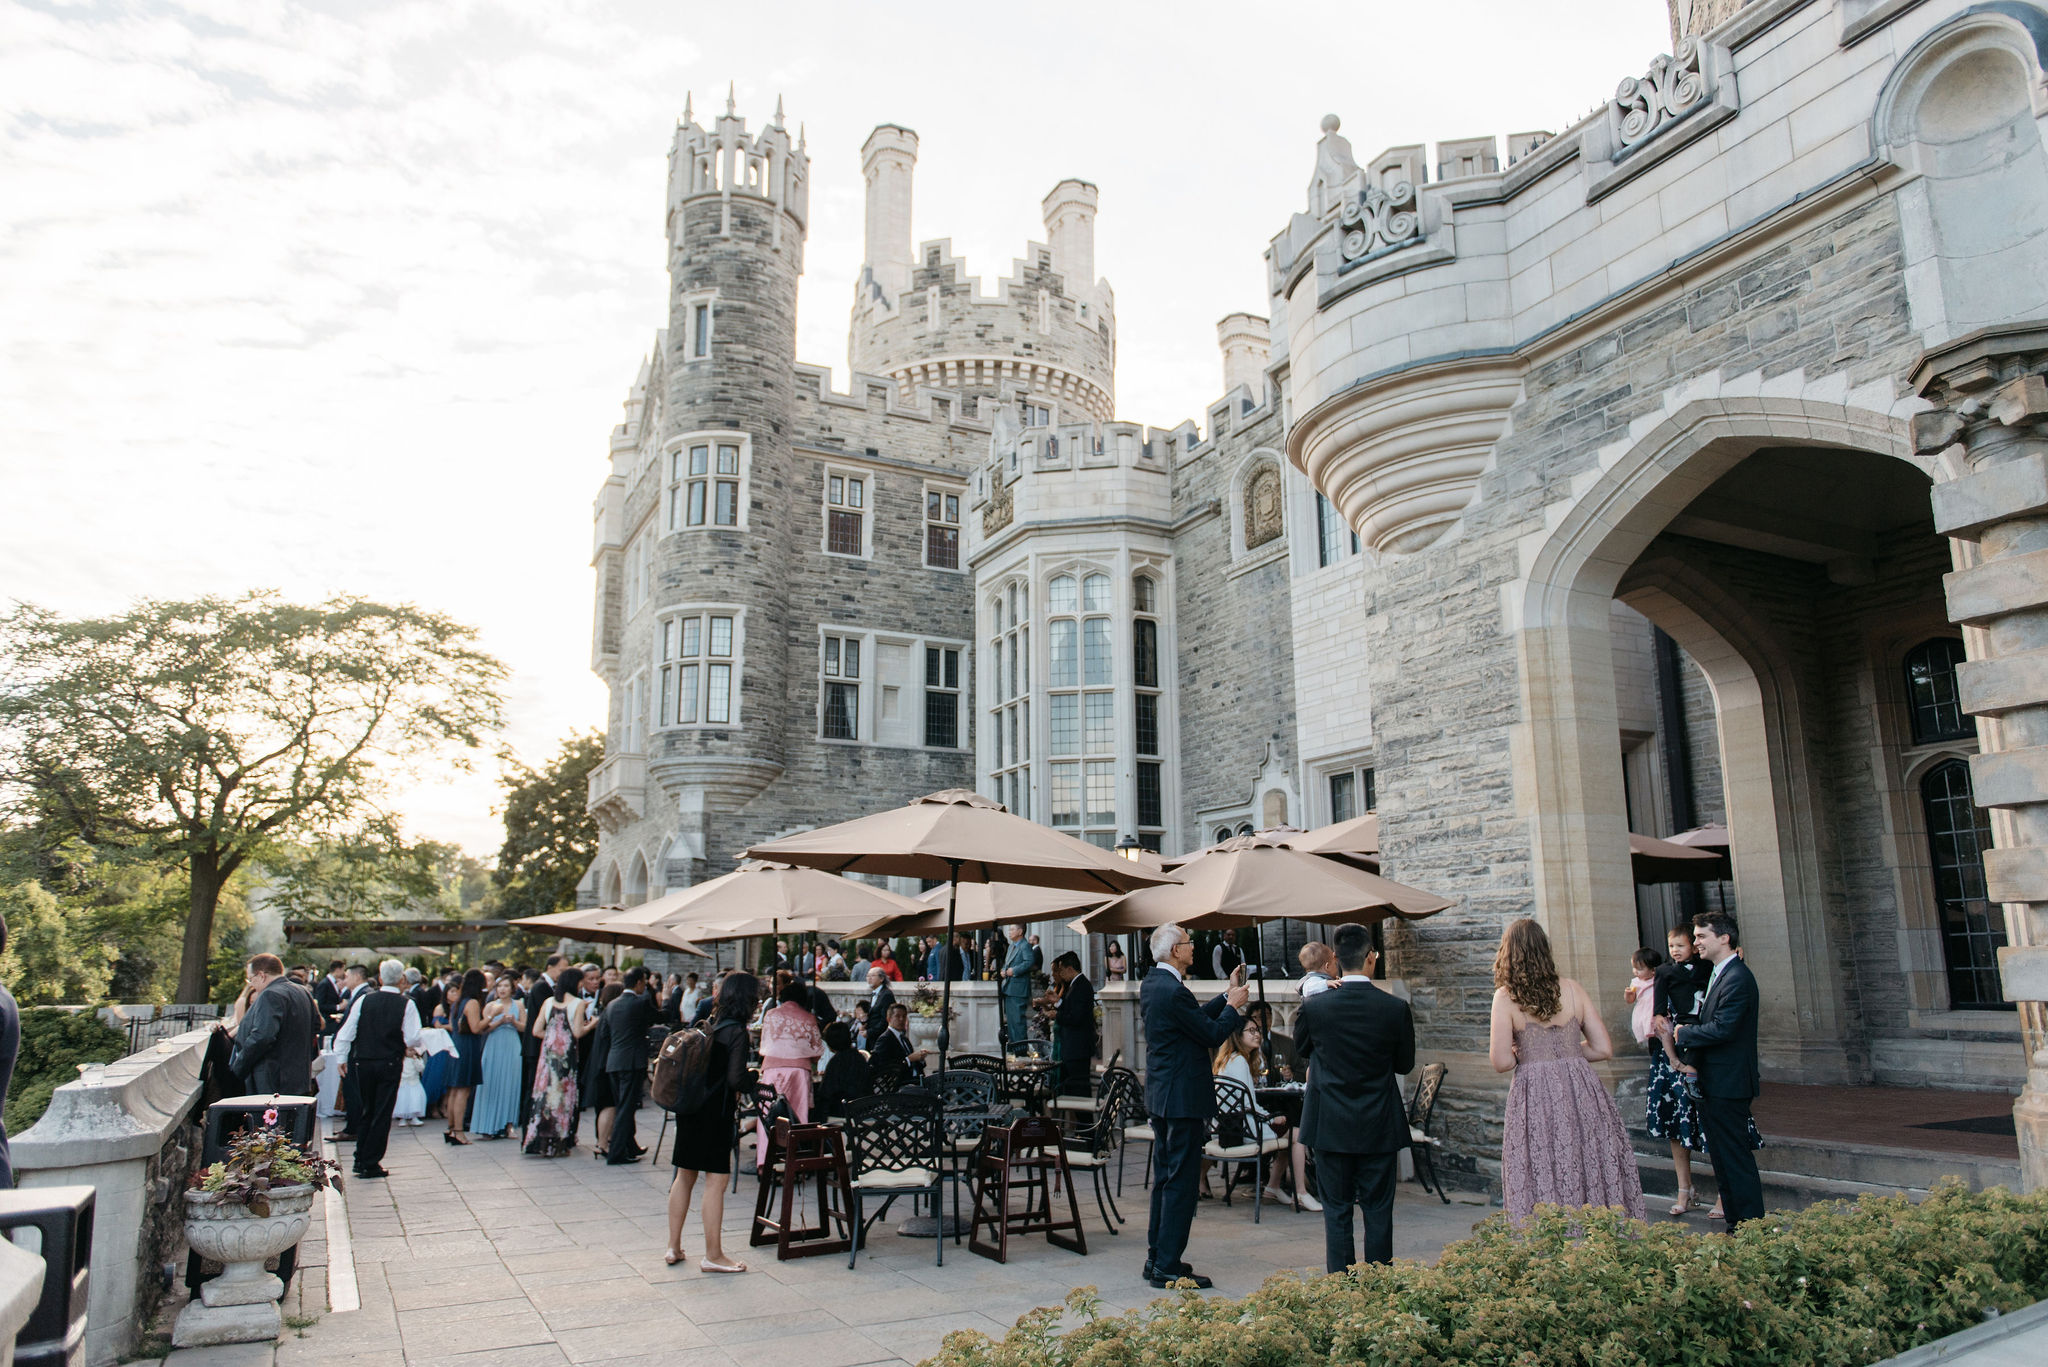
{"x":1336,"y":169}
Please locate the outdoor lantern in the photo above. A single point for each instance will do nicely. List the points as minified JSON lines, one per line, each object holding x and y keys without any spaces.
{"x":1128,"y":847}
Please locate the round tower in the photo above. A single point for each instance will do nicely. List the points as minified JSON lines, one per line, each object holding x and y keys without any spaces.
{"x":1048,"y":332}
{"x":717,"y":681}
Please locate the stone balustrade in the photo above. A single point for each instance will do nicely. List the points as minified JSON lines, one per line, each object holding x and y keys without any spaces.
{"x":21,"y":1283}
{"x":126,"y":1129}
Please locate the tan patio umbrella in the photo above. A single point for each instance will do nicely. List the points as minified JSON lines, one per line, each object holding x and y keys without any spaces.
{"x":960,"y":835}
{"x":1714,"y":838}
{"x":1356,"y":841}
{"x":983,"y":906}
{"x":765,"y":898}
{"x":1251,"y":879}
{"x":591,"y":925}
{"x":1665,"y":861}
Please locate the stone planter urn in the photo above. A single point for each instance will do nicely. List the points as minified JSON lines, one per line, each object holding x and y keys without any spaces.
{"x":923,"y":1031}
{"x":240,"y":1305}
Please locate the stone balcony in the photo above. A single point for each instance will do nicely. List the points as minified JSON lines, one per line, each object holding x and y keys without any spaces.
{"x":618,"y":791}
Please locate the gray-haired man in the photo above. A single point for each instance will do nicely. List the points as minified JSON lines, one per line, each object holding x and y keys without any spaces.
{"x":380,"y":1027}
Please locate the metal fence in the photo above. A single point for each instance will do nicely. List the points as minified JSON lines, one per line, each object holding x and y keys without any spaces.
{"x":168,"y":1021}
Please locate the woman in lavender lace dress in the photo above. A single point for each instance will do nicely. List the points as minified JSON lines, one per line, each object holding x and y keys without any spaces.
{"x":1562,"y":1142}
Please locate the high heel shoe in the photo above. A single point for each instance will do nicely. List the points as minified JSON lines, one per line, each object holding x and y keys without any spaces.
{"x":447,"y":1136}
{"x":1683,"y":1203}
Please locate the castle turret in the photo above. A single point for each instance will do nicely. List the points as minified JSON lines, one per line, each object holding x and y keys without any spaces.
{"x":1247,"y":344}
{"x":1047,"y":335}
{"x":888,"y":160}
{"x":715,"y":651}
{"x":1069,"y":213}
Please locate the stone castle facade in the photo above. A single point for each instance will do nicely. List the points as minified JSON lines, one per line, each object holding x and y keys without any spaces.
{"x":1683,"y":466}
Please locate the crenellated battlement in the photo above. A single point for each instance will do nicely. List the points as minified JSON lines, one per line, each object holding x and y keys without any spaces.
{"x":1048,"y":331}
{"x":723,"y":160}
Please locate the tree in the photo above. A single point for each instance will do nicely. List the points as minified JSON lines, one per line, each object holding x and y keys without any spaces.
{"x":51,"y":957}
{"x":202,"y":732}
{"x":550,"y":836}
{"x":352,"y":875}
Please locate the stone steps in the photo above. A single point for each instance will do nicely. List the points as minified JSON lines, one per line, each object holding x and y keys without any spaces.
{"x":1802,"y":1170}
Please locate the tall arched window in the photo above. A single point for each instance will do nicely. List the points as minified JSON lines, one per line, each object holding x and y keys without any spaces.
{"x":1082,"y":713}
{"x":1972,"y":926}
{"x":1931,"y":692}
{"x":1009,"y":728}
{"x":1145,"y":675}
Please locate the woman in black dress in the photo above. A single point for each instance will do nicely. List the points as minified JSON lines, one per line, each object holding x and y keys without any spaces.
{"x":468,"y":1069}
{"x":705,"y":1138}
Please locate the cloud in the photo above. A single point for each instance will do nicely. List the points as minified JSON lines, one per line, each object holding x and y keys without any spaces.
{"x":344,"y":296}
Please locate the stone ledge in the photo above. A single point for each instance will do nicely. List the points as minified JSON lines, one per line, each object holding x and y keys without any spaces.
{"x":2023,"y":972}
{"x":117,"y":1113}
{"x":21,"y":1285}
{"x":2009,"y":584}
{"x":2017,"y":488}
{"x":2010,"y":778}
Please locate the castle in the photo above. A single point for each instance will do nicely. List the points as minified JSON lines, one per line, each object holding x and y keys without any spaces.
{"x":1686,"y":465}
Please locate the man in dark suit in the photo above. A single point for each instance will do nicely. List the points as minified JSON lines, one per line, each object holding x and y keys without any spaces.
{"x":355,"y":984}
{"x":327,"y":997}
{"x":880,"y":997}
{"x":543,"y":990}
{"x":279,"y":1034}
{"x":628,"y":1019}
{"x":891,"y":1053}
{"x":1074,"y":1021}
{"x":1355,"y":1041}
{"x":1722,"y":1045}
{"x":1181,"y":1036}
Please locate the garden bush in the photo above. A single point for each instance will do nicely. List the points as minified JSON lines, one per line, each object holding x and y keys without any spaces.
{"x":53,"y":1044}
{"x":1837,"y":1285}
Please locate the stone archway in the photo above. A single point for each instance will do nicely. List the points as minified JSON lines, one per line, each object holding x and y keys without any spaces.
{"x":1568,"y":773}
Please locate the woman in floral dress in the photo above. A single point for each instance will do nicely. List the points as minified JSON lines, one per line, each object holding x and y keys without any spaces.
{"x":563,"y":1020}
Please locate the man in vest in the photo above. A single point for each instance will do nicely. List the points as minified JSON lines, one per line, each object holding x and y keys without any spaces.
{"x":380,"y":1027}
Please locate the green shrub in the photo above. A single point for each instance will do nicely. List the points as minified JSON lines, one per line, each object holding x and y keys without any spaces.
{"x":53,"y":1044}
{"x":1837,"y":1285}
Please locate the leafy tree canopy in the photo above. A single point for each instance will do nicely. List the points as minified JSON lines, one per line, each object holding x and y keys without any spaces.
{"x":550,"y":837}
{"x":199,"y":733}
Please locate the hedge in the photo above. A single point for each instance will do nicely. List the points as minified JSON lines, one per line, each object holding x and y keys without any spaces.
{"x":53,"y":1043}
{"x":1836,"y":1285}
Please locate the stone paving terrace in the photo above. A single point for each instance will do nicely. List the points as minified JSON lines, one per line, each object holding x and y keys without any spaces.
{"x":482,"y":1257}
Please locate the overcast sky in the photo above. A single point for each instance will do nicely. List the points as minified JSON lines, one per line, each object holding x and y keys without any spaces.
{"x":345,"y":297}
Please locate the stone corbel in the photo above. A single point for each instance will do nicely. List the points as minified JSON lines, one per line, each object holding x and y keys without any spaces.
{"x":1681,"y":97}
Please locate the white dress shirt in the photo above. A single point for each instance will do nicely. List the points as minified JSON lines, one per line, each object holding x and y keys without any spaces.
{"x":347,"y":1037}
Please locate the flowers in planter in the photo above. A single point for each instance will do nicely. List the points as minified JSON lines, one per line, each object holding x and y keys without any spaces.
{"x":261,"y":1160}
{"x":927,"y":1002}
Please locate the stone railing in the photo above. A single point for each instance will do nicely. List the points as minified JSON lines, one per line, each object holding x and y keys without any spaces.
{"x":21,"y":1283}
{"x":126,"y":1129}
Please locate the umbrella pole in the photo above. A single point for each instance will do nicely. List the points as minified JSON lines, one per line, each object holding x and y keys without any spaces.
{"x":1259,"y":948}
{"x":946,"y":966}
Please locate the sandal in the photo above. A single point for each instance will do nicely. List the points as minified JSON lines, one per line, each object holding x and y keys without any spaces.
{"x":674,"y":1256}
{"x":1683,"y":1203}
{"x":709,"y":1266}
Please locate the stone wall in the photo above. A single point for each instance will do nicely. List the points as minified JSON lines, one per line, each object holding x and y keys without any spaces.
{"x":1233,"y":619}
{"x":127,"y":1130}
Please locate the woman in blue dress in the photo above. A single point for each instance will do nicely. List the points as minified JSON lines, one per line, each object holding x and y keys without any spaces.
{"x":434,"y":1077}
{"x":497,"y":1096}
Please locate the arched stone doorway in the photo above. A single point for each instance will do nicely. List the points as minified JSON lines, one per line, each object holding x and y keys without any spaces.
{"x":1786,"y":547}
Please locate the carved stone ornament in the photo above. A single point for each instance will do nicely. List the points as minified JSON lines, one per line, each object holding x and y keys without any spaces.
{"x":1001,"y":508}
{"x":1379,"y":220}
{"x":1261,"y":507}
{"x":1644,"y":106}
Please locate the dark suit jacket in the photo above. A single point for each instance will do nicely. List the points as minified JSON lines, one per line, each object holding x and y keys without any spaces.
{"x":1723,"y":1045}
{"x":1075,"y":1020}
{"x":879,"y":1002}
{"x":540,"y":992}
{"x":630,"y":1016}
{"x":1356,"y":1041}
{"x":889,"y":1051}
{"x":327,"y":997}
{"x":1180,"y":1039}
{"x":424,"y":997}
{"x":276,"y":1041}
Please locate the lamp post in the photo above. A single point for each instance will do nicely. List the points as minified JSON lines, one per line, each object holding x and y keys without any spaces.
{"x":1129,"y":848}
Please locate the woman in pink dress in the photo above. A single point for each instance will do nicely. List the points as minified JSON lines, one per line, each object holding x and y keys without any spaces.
{"x":1562,"y":1142}
{"x":790,"y":1047}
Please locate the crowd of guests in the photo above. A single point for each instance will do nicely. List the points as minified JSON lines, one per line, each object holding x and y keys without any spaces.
{"x":517,"y":1052}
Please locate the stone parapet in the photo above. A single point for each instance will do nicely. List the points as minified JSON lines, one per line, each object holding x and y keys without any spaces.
{"x":21,"y":1285}
{"x":127,"y":1131}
